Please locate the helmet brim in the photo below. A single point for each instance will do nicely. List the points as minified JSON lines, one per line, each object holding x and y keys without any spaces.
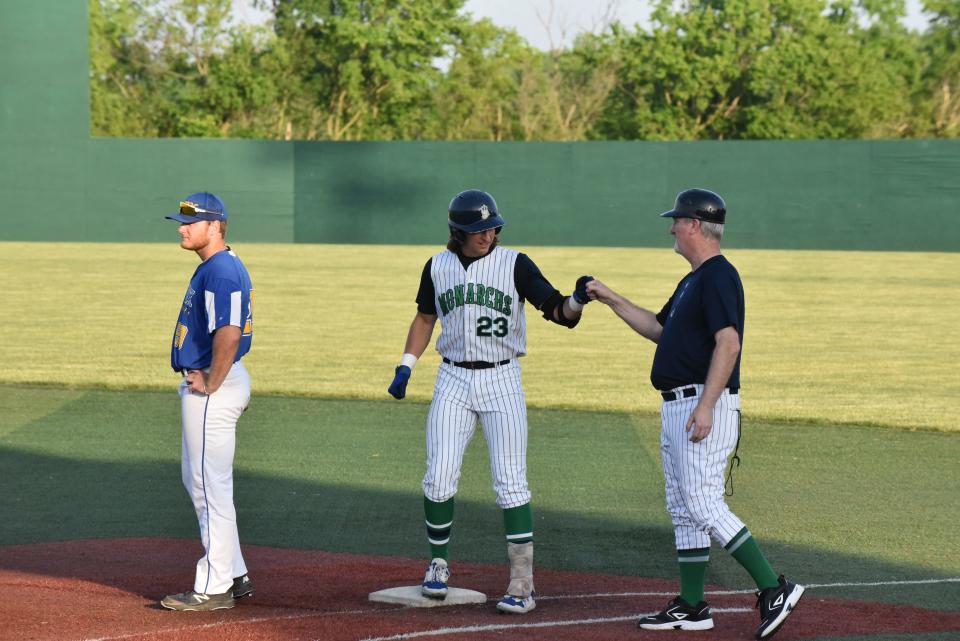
{"x":481,"y":225}
{"x":673,"y":213}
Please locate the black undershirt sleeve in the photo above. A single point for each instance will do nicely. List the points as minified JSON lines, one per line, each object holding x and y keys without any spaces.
{"x":533,"y":286}
{"x":531,"y":283}
{"x":426,"y":296}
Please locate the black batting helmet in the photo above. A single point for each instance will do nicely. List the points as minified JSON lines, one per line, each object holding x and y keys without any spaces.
{"x":701,"y":204}
{"x":474,"y":210}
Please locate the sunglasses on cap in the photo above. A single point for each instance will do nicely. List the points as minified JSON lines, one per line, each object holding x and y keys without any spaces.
{"x":188,"y":208}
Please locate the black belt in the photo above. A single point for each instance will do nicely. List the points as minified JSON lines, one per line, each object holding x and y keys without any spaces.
{"x":474,"y":364}
{"x":687,"y":392}
{"x":184,"y":372}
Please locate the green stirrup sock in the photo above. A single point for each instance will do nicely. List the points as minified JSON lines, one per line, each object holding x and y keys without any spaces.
{"x":693,"y":569}
{"x":439,"y":523}
{"x":518,"y":523}
{"x":745,"y":550}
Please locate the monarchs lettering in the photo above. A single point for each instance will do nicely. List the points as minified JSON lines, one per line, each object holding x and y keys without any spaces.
{"x":475,"y":294}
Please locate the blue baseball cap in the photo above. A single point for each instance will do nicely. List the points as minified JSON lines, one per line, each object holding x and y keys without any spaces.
{"x":200,"y":206}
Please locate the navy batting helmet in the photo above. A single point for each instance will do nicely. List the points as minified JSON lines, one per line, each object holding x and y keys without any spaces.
{"x":474,"y":210}
{"x":701,"y":204}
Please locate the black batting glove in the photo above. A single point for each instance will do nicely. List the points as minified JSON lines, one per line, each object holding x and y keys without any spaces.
{"x":580,"y":291}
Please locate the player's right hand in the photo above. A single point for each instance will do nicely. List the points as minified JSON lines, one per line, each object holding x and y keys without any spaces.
{"x":398,"y":388}
{"x":598,"y":291}
{"x":580,"y":290}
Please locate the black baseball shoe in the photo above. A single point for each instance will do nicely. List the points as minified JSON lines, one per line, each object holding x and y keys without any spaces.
{"x":242,"y":587}
{"x":679,"y":615}
{"x":775,"y":605}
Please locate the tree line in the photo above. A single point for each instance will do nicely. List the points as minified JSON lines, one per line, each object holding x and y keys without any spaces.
{"x":425,"y":70}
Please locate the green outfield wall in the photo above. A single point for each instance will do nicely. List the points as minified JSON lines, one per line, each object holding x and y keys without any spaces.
{"x":59,"y":183}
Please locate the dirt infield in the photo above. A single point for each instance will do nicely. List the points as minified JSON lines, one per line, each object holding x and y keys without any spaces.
{"x":108,"y":590}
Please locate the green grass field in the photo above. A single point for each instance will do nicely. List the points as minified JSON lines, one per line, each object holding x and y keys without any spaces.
{"x":850,"y":442}
{"x":831,"y":337}
{"x":828,"y":505}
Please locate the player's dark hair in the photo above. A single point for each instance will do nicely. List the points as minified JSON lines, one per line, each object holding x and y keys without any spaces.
{"x":458,"y":236}
{"x":223,"y":228}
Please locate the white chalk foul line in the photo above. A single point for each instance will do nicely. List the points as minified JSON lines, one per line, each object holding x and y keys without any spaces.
{"x":809,"y":586}
{"x":467,"y":629}
{"x":882,"y":583}
{"x":548,"y":624}
{"x":312,"y":614}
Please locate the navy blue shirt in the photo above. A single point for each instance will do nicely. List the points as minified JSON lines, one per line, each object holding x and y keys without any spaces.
{"x":220,"y":293}
{"x":705,"y":301}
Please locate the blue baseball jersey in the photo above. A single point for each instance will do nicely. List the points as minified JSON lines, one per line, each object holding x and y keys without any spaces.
{"x":220,"y":293}
{"x":705,"y":301}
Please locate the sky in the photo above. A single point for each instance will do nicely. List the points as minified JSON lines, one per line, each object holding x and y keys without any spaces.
{"x":566,"y":18}
{"x":554,"y":23}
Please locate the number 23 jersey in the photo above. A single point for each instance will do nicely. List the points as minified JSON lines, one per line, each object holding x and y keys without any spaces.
{"x":480,"y":309}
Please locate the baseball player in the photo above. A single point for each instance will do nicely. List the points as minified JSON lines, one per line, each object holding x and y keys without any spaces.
{"x":696,"y":368}
{"x":213,"y":332}
{"x":478,"y":289}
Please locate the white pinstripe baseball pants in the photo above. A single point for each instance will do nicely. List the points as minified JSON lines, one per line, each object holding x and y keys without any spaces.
{"x":461,"y":397}
{"x":694,"y":471}
{"x":206,"y":463}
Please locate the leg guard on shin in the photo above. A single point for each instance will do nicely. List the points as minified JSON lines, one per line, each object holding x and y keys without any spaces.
{"x":519,"y":598}
{"x":521,"y":569}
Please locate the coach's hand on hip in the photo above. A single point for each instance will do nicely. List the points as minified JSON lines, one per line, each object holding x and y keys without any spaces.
{"x":701,"y":422}
{"x":197,"y":381}
{"x":398,"y":388}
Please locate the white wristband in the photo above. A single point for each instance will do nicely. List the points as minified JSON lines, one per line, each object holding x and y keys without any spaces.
{"x":574,"y":305}
{"x":409,"y":360}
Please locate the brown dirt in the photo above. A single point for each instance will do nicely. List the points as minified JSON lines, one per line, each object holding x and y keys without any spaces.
{"x":107,"y":590}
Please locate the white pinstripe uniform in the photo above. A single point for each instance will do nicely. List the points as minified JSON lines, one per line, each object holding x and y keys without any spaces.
{"x":482,"y":319}
{"x":694,"y":471}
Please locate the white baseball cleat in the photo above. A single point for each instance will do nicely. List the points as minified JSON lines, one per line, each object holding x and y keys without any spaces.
{"x":434,"y":584}
{"x":516,"y":604}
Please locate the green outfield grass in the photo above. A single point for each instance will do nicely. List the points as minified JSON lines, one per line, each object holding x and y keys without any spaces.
{"x":865,"y":338}
{"x":828,"y":505}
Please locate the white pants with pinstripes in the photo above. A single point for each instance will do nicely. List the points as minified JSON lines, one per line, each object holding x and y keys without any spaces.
{"x":694,"y":472}
{"x":206,"y":463}
{"x":461,"y":397}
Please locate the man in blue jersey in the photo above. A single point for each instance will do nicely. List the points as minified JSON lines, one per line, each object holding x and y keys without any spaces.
{"x":213,"y":332}
{"x":696,"y":368}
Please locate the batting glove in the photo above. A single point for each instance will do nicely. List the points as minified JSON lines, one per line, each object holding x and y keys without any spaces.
{"x":398,"y":388}
{"x":580,"y":291}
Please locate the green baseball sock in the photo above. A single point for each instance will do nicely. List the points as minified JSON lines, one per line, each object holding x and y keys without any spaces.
{"x":518,"y":523}
{"x":439,"y":523}
{"x":693,"y":569}
{"x":745,"y":550}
